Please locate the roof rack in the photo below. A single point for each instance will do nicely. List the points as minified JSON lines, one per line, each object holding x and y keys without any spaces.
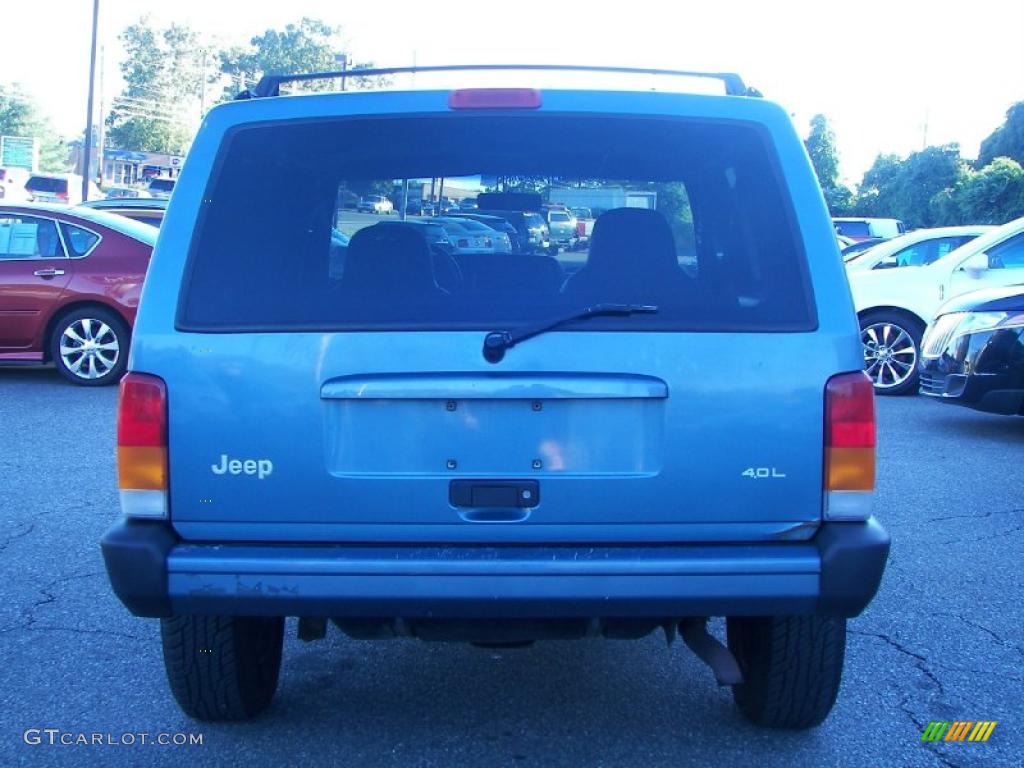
{"x":270,"y":85}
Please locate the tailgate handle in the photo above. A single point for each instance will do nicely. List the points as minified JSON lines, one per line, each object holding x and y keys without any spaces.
{"x":503,"y":494}
{"x":506,"y":386}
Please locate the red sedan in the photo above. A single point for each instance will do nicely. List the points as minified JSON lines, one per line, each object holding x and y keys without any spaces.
{"x":70,"y":280}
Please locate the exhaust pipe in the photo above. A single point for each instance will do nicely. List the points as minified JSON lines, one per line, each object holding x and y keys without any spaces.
{"x":707,"y":648}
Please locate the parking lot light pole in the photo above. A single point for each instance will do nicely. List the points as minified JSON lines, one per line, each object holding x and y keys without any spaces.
{"x":87,"y":149}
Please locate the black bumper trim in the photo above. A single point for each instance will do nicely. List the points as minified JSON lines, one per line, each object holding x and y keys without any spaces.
{"x":135,"y":553}
{"x":852,"y":556}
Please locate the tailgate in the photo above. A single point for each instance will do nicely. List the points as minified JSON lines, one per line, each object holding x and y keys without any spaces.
{"x":316,"y":450}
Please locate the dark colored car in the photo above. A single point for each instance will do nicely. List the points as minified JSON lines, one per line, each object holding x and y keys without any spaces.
{"x":432,"y":232}
{"x":161,"y":187}
{"x":148,"y":210}
{"x":530,"y":227}
{"x":416,"y":206}
{"x":494,"y":222}
{"x":973,"y":352}
{"x":70,"y":280}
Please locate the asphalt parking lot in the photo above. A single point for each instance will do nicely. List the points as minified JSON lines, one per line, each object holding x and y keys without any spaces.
{"x":944,"y":640}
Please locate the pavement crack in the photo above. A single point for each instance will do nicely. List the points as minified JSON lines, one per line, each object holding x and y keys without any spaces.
{"x":48,"y":591}
{"x":982,"y":628}
{"x":14,"y":537}
{"x":80,"y":631}
{"x":990,"y":513}
{"x":920,"y":661}
{"x":999,"y":535}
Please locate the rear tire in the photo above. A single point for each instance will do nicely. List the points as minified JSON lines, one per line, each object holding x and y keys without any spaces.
{"x":222,"y":667}
{"x":792,"y":667}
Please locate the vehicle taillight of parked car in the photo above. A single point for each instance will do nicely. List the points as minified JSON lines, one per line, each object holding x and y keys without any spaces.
{"x":142,"y":446}
{"x":849,"y":446}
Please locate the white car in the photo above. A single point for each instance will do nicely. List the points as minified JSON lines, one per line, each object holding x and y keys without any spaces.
{"x":375,"y":204}
{"x":63,"y":188}
{"x":914,"y":249}
{"x":895,"y":305}
{"x":867,"y":229}
{"x":12,"y":185}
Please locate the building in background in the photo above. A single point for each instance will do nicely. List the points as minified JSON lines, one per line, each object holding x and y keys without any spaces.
{"x":123,"y":167}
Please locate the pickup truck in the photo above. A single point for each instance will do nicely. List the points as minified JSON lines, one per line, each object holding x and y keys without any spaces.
{"x":584,"y":225}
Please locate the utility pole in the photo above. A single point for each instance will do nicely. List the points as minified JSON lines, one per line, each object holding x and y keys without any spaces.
{"x":342,"y":58}
{"x":202,"y":91}
{"x":87,"y":155}
{"x":100,"y":158}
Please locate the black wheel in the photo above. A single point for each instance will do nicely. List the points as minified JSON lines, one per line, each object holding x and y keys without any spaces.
{"x":892,"y":348}
{"x":222,"y":667}
{"x":792,"y":667}
{"x":89,"y":346}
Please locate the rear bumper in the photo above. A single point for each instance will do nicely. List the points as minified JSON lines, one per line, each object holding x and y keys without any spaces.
{"x":156,"y":574}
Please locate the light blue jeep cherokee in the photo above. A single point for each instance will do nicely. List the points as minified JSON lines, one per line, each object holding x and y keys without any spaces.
{"x":329,"y":417}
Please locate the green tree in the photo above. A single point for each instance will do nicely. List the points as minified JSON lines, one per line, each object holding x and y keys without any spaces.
{"x":821,"y":147}
{"x":20,"y":116}
{"x":164,"y":79}
{"x":1005,"y":141}
{"x":904,"y":188}
{"x":309,"y":46}
{"x":993,"y":195}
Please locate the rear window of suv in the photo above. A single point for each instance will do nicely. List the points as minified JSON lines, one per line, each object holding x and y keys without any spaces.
{"x":720,"y":251}
{"x":46,"y":184}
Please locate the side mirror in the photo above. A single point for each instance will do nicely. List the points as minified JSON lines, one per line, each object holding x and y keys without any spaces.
{"x":975,"y":266}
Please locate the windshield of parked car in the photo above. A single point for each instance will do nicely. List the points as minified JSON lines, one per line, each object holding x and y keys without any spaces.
{"x":922,"y":253}
{"x":714,"y":246}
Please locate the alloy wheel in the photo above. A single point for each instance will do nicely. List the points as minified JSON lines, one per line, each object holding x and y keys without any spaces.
{"x":89,"y":348}
{"x":890,"y":354}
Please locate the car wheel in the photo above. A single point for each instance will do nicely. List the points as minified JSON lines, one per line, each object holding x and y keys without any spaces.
{"x":222,"y":667}
{"x":90,"y":346}
{"x":791,"y":665}
{"x":892,"y":348}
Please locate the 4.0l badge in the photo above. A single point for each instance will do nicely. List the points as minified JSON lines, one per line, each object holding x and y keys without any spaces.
{"x":762,"y":473}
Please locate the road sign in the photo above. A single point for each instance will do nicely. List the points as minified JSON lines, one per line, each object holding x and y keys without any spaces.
{"x":19,"y":152}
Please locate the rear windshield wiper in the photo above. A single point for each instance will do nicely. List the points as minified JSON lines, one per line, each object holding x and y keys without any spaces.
{"x":497,"y":343}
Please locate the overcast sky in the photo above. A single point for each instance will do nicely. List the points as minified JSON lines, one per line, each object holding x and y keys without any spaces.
{"x":881,"y":71}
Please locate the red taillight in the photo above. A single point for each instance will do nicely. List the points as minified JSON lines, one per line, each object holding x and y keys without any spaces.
{"x":850,"y":433}
{"x":850,"y":421}
{"x":142,"y":412}
{"x":494,"y":98}
{"x":62,"y":195}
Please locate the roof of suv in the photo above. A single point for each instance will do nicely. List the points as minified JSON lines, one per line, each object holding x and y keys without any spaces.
{"x":270,"y":85}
